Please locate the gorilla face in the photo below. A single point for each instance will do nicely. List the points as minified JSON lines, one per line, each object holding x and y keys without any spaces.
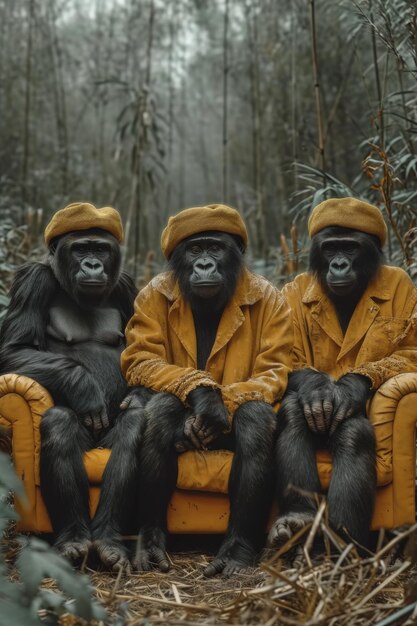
{"x":207,"y":266}
{"x":86,"y":264}
{"x":344,"y":260}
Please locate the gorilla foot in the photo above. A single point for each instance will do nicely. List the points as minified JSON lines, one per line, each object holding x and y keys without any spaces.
{"x":234,"y":556}
{"x":76,"y":550}
{"x":112,"y":554}
{"x":286,"y":526}
{"x":151,"y":551}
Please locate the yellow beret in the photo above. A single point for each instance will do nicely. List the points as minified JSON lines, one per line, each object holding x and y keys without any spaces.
{"x":348,"y":213}
{"x":83,"y":216}
{"x":199,"y":219}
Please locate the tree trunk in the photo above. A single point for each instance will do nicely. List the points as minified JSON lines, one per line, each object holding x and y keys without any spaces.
{"x":319,"y":109}
{"x":59,"y":97}
{"x":252,"y":27}
{"x":225,"y":103}
{"x":26,"y":117}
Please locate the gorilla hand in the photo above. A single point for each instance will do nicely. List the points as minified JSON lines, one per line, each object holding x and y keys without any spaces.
{"x":315,"y":391}
{"x":209,"y":416}
{"x":89,"y":403}
{"x":96,"y":420}
{"x":316,"y":397}
{"x":351,"y":394}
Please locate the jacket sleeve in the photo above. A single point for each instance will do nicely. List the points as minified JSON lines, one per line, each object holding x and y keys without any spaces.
{"x":272,"y":364}
{"x":403,"y":355}
{"x":145,"y":361}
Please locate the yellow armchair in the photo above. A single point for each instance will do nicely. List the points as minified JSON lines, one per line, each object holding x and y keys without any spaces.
{"x":200,"y":503}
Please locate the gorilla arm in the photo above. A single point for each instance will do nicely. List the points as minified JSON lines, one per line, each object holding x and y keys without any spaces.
{"x":144,"y":361}
{"x":401,"y":354}
{"x":23,"y":343}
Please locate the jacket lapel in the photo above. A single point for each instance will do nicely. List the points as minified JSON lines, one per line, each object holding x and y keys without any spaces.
{"x":365,"y":313}
{"x":180,"y":316}
{"x":181,"y":321}
{"x":323,"y":312}
{"x":248,"y":291}
{"x":361,"y":320}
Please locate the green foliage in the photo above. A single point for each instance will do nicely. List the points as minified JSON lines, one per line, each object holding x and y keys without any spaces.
{"x":21,"y":601}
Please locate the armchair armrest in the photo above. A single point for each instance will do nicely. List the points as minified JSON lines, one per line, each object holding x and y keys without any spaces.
{"x":393,"y":412}
{"x":22,"y":403}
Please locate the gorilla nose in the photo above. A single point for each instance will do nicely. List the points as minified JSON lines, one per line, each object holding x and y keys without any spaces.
{"x":205,"y":265}
{"x":339,"y":267}
{"x":92,"y":267}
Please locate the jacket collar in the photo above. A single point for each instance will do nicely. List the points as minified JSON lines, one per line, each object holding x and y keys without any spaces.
{"x":323,"y":311}
{"x":248,"y":289}
{"x":377,"y":289}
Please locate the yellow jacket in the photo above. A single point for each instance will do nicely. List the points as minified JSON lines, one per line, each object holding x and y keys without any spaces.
{"x":381,"y":340}
{"x":251,"y":355}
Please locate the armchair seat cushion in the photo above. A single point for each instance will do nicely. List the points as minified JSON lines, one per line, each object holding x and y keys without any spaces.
{"x":210,"y":470}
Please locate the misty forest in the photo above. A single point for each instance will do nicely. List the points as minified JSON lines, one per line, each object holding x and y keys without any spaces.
{"x":152,"y":106}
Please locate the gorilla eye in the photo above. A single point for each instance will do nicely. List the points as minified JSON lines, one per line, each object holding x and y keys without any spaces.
{"x":329,"y":249}
{"x":195,"y":250}
{"x":215,"y":248}
{"x":351,"y":248}
{"x":78,"y":248}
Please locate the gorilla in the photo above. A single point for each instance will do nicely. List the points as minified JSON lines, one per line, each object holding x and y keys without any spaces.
{"x":64,"y":328}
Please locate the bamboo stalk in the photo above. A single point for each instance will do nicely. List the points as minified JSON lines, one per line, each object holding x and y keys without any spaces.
{"x":26,"y":118}
{"x":319,"y":109}
{"x":171,"y":95}
{"x":141,"y":145}
{"x":225,"y":95}
{"x":381,"y":130}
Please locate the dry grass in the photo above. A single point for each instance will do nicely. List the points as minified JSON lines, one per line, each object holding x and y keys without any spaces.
{"x":339,"y":589}
{"x":336,"y":589}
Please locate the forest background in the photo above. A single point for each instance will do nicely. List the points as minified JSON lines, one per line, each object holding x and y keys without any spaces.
{"x":156,"y":105}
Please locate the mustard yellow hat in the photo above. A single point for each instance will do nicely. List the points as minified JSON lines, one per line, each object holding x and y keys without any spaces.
{"x":83,"y":216}
{"x":348,"y":213}
{"x":198,"y":219}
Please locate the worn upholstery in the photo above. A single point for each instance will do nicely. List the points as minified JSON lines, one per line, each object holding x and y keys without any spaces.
{"x":200,"y":503}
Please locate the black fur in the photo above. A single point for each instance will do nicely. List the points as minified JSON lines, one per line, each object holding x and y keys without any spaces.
{"x":318,"y":412}
{"x":362,"y":265}
{"x":214,"y":260}
{"x":64,"y":328}
{"x":351,"y":494}
{"x":222,"y":269}
{"x":250,"y":484}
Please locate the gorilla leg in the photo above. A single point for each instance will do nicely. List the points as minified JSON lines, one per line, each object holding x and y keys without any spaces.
{"x":64,"y":482}
{"x":158,"y":477}
{"x":118,"y":488}
{"x":352,"y":488}
{"x":295,"y":467}
{"x":250,"y":488}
